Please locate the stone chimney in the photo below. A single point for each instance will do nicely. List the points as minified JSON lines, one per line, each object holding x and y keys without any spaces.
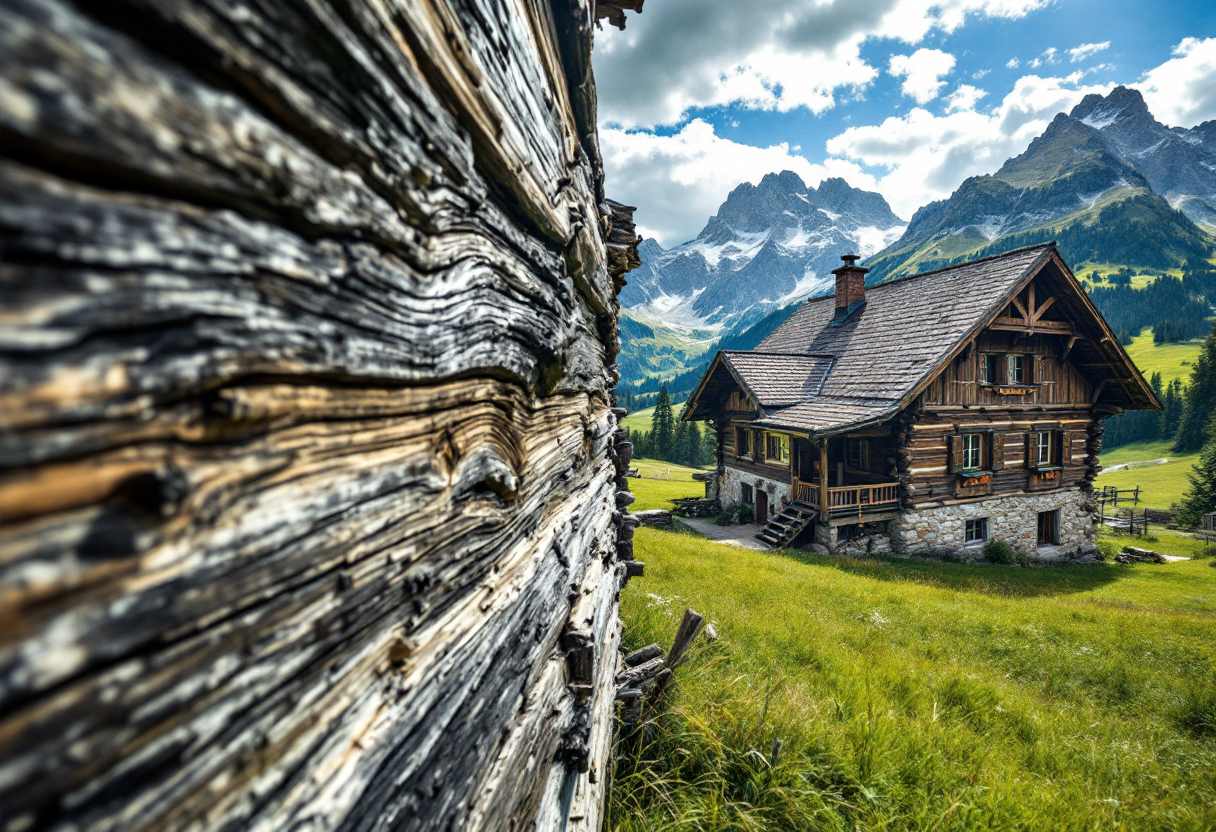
{"x":850,"y":287}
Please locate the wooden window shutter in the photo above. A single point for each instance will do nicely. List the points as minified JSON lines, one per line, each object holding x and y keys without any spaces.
{"x":1031,"y":450}
{"x":954,"y":453}
{"x":758,"y":448}
{"x":1063,"y":440}
{"x":1030,"y":369}
{"x":996,"y":450}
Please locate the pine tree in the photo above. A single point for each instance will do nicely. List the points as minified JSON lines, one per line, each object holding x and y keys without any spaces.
{"x":663,"y":426}
{"x":679,"y":445}
{"x":1200,"y":399}
{"x":1200,"y":497}
{"x":642,"y":445}
{"x":709,"y":446}
{"x":1174,"y":398}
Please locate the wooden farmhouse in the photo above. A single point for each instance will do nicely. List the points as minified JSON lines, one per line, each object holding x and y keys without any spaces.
{"x":926,"y":415}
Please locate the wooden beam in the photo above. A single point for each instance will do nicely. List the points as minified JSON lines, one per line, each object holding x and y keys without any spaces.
{"x":1071,"y":343}
{"x":1046,"y":305}
{"x":1098,"y":391}
{"x":1006,"y":324}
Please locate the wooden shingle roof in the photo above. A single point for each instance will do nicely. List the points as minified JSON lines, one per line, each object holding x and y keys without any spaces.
{"x":826,"y":414}
{"x":877,"y":360}
{"x":907,"y":327}
{"x":780,"y":379}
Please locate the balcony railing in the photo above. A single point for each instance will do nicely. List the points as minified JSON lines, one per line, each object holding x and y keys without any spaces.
{"x":846,"y":499}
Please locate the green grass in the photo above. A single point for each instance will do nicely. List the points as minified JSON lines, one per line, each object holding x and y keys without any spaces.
{"x":662,"y":482}
{"x":1160,"y":485}
{"x":639,"y":419}
{"x":1171,"y":360}
{"x":923,"y":695}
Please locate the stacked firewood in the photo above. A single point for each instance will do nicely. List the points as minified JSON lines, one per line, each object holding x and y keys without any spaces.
{"x":647,"y":671}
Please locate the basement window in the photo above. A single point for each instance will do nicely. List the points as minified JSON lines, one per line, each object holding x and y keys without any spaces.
{"x":975,"y":531}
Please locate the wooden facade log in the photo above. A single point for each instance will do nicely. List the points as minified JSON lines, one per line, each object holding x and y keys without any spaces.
{"x":311,"y":509}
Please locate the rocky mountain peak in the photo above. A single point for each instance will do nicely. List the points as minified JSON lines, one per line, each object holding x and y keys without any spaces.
{"x":768,"y":243}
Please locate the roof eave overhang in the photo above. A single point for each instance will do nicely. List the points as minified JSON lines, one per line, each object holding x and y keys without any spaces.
{"x":694,"y":399}
{"x":870,"y":421}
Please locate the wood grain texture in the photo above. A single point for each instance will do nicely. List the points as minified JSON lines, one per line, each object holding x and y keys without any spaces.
{"x":310,"y":479}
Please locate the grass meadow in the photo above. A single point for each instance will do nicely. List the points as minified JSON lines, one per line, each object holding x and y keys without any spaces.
{"x":1160,"y":485}
{"x":639,"y":419}
{"x":1171,"y":360}
{"x":921,"y":695}
{"x":662,"y":482}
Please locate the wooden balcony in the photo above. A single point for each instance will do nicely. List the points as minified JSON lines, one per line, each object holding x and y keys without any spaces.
{"x":845,"y":500}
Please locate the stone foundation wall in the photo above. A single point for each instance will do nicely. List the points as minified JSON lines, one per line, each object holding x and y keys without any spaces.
{"x":732,"y":480}
{"x":1013,"y":519}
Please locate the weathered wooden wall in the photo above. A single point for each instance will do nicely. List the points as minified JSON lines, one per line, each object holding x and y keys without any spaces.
{"x":309,"y":477}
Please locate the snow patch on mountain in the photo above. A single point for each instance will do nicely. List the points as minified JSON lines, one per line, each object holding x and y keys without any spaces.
{"x":872,"y":239}
{"x":769,"y":244}
{"x":1101,"y":118}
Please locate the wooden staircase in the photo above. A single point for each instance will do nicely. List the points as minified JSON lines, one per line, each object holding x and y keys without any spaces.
{"x":784,"y":527}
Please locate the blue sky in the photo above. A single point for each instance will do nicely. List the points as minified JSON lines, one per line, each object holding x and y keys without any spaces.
{"x":906,"y":97}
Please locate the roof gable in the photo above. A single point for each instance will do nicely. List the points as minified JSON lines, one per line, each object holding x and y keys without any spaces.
{"x":910,"y":328}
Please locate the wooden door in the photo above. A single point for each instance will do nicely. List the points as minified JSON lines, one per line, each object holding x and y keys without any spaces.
{"x":761,"y":506}
{"x":1047,"y":528}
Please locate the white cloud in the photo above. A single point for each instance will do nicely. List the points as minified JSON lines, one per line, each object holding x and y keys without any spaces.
{"x":923,"y":72}
{"x":964,"y":98}
{"x":761,"y":54}
{"x":1182,"y":91}
{"x":1087,"y":50}
{"x":679,"y":181}
{"x":1046,"y":59}
{"x":979,"y":73}
{"x":1013,"y":64}
{"x":927,"y":156}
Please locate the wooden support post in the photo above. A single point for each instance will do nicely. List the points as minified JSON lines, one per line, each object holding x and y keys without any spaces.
{"x":823,"y":478}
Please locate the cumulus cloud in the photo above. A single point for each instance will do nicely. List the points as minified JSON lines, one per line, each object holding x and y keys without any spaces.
{"x":923,"y":72}
{"x":679,"y":181}
{"x":761,"y":54}
{"x":1012,"y":64}
{"x":926,"y":156}
{"x":964,"y":98}
{"x":1182,"y":91}
{"x":1087,"y":50}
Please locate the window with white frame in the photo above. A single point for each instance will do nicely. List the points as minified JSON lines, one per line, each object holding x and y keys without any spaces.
{"x":1042,"y":446}
{"x":1015,"y":369}
{"x":973,"y":451}
{"x":975,"y":530}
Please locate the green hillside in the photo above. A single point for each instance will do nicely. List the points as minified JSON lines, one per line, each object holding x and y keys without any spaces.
{"x":1131,"y":227}
{"x":653,"y":350}
{"x":639,"y":419}
{"x":1173,"y":361}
